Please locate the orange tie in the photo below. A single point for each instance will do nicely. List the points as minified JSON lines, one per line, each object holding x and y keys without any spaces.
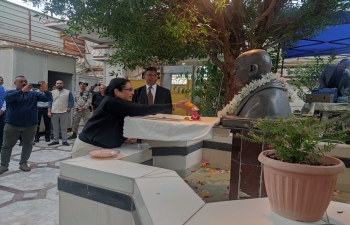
{"x":150,"y":96}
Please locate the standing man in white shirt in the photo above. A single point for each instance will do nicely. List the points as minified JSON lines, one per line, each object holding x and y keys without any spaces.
{"x":62,"y":104}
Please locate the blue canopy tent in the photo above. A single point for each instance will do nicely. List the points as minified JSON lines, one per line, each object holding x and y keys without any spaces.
{"x":334,"y":40}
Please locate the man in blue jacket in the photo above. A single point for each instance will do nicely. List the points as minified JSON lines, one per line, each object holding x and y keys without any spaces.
{"x":2,"y":112}
{"x":21,"y":118}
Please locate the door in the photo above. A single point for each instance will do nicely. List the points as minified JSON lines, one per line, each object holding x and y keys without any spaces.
{"x":174,"y":78}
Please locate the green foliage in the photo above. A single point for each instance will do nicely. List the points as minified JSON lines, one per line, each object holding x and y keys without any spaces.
{"x":208,"y":91}
{"x":296,"y":139}
{"x":276,"y":56}
{"x":307,"y":76}
{"x":167,"y":31}
{"x":164,"y":32}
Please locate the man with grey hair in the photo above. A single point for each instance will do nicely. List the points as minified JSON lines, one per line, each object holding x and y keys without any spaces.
{"x":58,"y":111}
{"x":97,"y":97}
{"x":21,"y":119}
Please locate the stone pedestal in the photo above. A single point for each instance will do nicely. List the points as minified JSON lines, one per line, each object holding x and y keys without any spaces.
{"x":180,"y":156}
{"x":176,"y":143}
{"x":246,"y":171}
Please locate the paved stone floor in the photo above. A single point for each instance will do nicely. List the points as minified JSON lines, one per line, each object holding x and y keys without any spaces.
{"x":32,"y":197}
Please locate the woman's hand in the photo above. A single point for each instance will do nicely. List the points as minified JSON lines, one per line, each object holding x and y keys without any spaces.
{"x":186,"y":105}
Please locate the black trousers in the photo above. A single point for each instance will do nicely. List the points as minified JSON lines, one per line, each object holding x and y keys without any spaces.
{"x":2,"y":125}
{"x":42,"y":112}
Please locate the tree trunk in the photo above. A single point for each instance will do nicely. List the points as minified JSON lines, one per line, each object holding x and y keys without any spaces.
{"x":229,"y":68}
{"x":229,"y":85}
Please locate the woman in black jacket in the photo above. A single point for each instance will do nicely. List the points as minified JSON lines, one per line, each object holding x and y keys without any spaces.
{"x":105,"y":128}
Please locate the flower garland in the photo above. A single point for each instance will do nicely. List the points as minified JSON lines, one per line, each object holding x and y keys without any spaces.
{"x":246,"y":90}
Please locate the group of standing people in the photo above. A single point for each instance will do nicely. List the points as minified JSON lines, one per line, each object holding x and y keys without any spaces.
{"x":21,"y":119}
{"x":56,"y":112}
{"x":25,"y":107}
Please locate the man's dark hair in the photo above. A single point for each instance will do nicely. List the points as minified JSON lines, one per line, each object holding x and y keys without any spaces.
{"x":19,"y":76}
{"x":115,"y":83}
{"x":151,"y":68}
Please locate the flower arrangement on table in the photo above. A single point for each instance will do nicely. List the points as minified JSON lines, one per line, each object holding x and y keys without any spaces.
{"x":296,"y":140}
{"x":246,"y":90}
{"x":195,"y":115}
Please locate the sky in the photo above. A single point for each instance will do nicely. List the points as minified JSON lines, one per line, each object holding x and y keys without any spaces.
{"x":27,"y":5}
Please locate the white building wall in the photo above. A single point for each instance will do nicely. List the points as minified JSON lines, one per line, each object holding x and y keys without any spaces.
{"x":108,"y":69}
{"x":30,"y":64}
{"x":61,"y":64}
{"x":6,"y":66}
{"x":34,"y":65}
{"x":88,"y":55}
{"x":19,"y":24}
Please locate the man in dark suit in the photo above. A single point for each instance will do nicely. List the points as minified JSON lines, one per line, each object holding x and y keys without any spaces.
{"x":151,"y":93}
{"x":336,"y":77}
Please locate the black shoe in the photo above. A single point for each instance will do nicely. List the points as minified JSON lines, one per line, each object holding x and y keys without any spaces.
{"x":53,"y":143}
{"x":24,"y":167}
{"x":3,"y":169}
{"x":60,"y":137}
{"x":65,"y":143}
{"x":74,"y":135}
{"x":36,"y":140}
{"x":51,"y":137}
{"x":20,"y":144}
{"x":47,"y":139}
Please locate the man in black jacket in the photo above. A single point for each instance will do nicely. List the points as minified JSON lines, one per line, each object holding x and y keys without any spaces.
{"x":97,"y":97}
{"x":151,"y":93}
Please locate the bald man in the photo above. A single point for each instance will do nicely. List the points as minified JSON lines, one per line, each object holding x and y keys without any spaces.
{"x":21,"y":119}
{"x":268,"y":100}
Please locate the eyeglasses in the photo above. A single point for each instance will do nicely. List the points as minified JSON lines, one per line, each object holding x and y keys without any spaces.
{"x":151,"y":75}
{"x":128,"y":89}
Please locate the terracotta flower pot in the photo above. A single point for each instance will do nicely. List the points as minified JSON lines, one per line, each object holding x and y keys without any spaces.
{"x":298,"y":191}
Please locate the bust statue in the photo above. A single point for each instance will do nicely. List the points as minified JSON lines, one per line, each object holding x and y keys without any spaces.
{"x":268,"y":100}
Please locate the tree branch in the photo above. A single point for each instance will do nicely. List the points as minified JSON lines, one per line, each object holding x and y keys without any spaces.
{"x":265,"y":14}
{"x":214,"y":58}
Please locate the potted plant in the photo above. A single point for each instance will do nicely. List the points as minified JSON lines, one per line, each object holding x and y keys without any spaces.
{"x":299,"y":177}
